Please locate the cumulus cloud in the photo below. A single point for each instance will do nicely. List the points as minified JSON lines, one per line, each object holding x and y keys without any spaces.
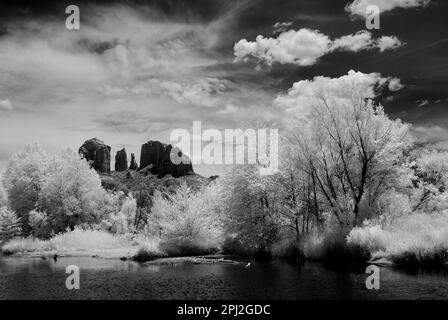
{"x":303,"y":93}
{"x":305,"y":46}
{"x":358,"y":7}
{"x":354,"y":42}
{"x":395,"y":84}
{"x":302,"y":47}
{"x":363,"y":40}
{"x":388,"y":43}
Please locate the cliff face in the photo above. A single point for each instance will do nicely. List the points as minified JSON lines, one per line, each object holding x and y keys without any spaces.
{"x":133,"y":165}
{"x":97,"y":153}
{"x":121,"y":161}
{"x":155,"y":157}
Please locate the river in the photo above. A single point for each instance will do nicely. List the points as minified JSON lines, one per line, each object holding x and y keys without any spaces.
{"x":32,"y":278}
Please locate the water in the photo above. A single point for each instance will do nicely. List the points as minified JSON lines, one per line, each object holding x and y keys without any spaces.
{"x":27,"y":278}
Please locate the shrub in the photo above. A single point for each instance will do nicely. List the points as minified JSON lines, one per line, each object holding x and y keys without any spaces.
{"x":414,"y":239}
{"x":331,"y":246}
{"x":39,"y":223}
{"x":149,"y":250}
{"x":287,"y":248}
{"x":187,"y":222}
{"x":179,"y":247}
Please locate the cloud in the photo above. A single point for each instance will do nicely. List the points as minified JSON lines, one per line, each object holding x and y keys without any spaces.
{"x":395,"y":84}
{"x":422,"y":103}
{"x":358,"y":7}
{"x":205,"y":92}
{"x":435,"y":136}
{"x":5,"y":105}
{"x":280,"y":27}
{"x":302,"y":47}
{"x":388,"y":43}
{"x":303,"y":93}
{"x":362,"y":40}
{"x":305,"y":46}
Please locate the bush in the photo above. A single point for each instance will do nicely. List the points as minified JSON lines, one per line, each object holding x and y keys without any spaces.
{"x":23,"y":180}
{"x":332,"y":246}
{"x":287,"y":248}
{"x":187,"y":222}
{"x":181,"y":247}
{"x":39,"y":223}
{"x":149,"y":250}
{"x":416,"y":239}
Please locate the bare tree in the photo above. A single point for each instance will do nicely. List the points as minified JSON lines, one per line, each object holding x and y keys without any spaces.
{"x":350,"y":148}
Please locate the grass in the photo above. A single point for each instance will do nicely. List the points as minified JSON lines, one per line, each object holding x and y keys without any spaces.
{"x":79,"y":239}
{"x":76,"y":240}
{"x":414,"y":240}
{"x":23,"y":245}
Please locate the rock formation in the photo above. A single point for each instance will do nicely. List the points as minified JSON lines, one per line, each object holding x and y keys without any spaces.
{"x":121,"y":161}
{"x":97,"y":153}
{"x":133,"y":165}
{"x":157,"y":155}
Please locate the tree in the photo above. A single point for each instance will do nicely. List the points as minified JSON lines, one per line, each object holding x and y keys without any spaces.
{"x":73,"y":194}
{"x":251,"y":205}
{"x":351,"y":148}
{"x":3,"y":197}
{"x":431,"y":170}
{"x":23,"y":179}
{"x":10,"y":225}
{"x":39,"y":224}
{"x":300,"y":199}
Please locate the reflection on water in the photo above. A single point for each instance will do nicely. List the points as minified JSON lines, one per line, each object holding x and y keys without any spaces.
{"x":26,"y":278}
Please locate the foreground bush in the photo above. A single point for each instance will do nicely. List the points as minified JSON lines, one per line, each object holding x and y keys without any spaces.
{"x":332,"y":246}
{"x":416,"y":239}
{"x":149,"y":250}
{"x":187,"y":222}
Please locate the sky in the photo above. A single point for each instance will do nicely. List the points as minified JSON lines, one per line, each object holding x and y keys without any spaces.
{"x":137,"y":70}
